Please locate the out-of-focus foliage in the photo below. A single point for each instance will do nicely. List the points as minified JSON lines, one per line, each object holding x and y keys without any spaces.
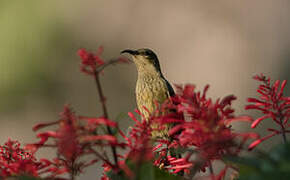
{"x":33,"y":41}
{"x":146,"y":171}
{"x":272,"y":165}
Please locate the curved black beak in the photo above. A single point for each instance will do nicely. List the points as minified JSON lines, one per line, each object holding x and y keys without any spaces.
{"x":129,"y":51}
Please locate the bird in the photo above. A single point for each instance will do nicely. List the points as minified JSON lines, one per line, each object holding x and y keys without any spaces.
{"x":151,"y":85}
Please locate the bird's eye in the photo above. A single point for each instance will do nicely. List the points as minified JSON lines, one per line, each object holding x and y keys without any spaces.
{"x":148,"y":54}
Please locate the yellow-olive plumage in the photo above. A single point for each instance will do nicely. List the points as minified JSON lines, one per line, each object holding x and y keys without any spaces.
{"x":151,"y":86}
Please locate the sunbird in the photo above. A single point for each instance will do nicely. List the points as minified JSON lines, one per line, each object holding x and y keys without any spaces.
{"x":151,"y":85}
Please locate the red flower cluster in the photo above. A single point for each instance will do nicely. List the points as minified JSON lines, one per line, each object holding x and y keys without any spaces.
{"x":75,"y":137}
{"x":205,"y":127}
{"x":92,"y":63}
{"x":273,"y":104}
{"x":15,"y":161}
{"x":199,"y":125}
{"x":170,"y":161}
{"x":199,"y":133}
{"x":139,"y":140}
{"x":140,"y":149}
{"x":138,"y":144}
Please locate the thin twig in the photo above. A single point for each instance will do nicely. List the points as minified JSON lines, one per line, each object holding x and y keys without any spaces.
{"x":110,"y":62}
{"x":199,"y":162}
{"x":105,"y":112}
{"x":281,"y":117}
{"x":101,"y":157}
{"x":211,"y":171}
{"x":72,"y":168}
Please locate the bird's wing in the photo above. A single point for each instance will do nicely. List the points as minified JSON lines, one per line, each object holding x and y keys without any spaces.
{"x":170,"y":89}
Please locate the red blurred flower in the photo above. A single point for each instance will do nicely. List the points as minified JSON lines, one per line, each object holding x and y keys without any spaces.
{"x":273,"y":104}
{"x":75,"y":137}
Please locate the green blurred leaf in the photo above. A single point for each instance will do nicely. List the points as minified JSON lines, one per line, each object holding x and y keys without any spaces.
{"x":246,"y":161}
{"x":149,"y":171}
{"x":163,"y":175}
{"x":272,"y":165}
{"x":112,"y":175}
{"x":280,"y":152}
{"x":145,"y":171}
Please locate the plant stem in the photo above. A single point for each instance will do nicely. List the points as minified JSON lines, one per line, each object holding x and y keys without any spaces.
{"x":101,"y":157}
{"x":72,"y":177}
{"x":105,"y":112}
{"x":72,"y":170}
{"x":211,"y":171}
{"x":101,"y":95}
{"x":199,"y":162}
{"x":281,"y":117}
{"x":284,"y":134}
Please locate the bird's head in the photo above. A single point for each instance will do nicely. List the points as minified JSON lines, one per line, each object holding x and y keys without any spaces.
{"x":145,"y":59}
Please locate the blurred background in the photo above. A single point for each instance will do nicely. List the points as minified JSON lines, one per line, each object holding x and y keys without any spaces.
{"x":221,"y":43}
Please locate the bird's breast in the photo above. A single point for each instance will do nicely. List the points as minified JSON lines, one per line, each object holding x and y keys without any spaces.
{"x":150,"y":90}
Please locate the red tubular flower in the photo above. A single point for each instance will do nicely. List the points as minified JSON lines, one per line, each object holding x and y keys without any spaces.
{"x":139,"y":140}
{"x":204,"y":126}
{"x":179,"y":164}
{"x":75,"y":138}
{"x":273,"y":104}
{"x":199,"y":124}
{"x":139,"y":148}
{"x":90,"y":61}
{"x":15,"y":161}
{"x":93,"y":63}
{"x":106,"y":168}
{"x":68,"y":142}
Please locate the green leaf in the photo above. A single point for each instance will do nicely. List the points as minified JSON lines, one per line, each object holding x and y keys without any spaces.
{"x":265,"y":166}
{"x":146,"y":171}
{"x":114,"y":176}
{"x":149,"y":171}
{"x":280,"y":152}
{"x":247,"y":161}
{"x":163,"y":175}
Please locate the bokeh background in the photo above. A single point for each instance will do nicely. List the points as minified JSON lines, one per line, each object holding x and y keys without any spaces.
{"x":222,"y":43}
